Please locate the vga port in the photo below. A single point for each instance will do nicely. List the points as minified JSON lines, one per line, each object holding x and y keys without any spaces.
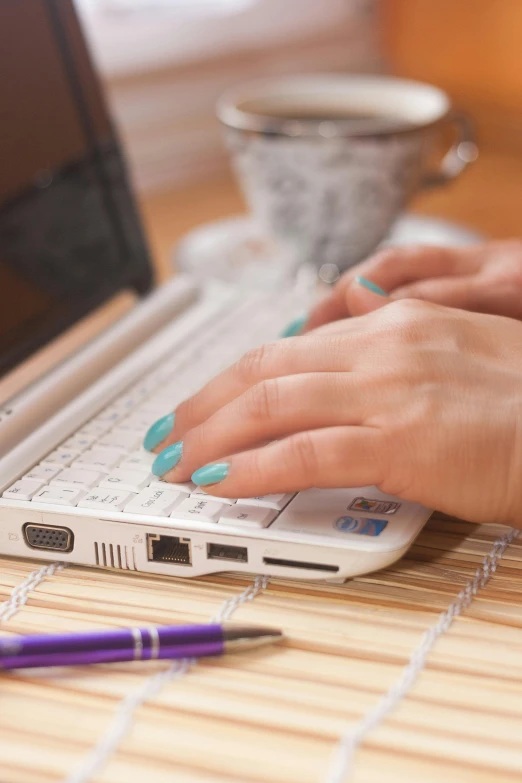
{"x":59,"y":539}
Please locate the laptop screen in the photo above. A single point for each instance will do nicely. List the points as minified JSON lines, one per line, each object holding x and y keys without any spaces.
{"x":69,"y":234}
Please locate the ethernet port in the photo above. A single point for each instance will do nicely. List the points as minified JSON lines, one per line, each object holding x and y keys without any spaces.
{"x":168,"y":549}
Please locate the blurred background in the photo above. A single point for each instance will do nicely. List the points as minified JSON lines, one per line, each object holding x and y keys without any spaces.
{"x":165,"y":62}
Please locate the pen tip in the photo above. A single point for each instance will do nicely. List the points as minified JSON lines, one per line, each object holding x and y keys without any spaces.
{"x":238,"y":638}
{"x":233,"y":632}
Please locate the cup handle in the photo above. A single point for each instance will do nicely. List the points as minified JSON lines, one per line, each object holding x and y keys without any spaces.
{"x":463,"y":152}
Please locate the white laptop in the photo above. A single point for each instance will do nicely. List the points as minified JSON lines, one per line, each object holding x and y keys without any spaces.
{"x":75,"y":483}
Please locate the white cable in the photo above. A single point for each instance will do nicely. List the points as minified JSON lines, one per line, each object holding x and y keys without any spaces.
{"x":344,"y":753}
{"x":229,"y":606}
{"x":124,"y":717}
{"x":20,"y":594}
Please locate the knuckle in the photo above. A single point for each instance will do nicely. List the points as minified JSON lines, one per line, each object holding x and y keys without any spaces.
{"x":250,"y":366}
{"x":410,"y":318}
{"x":262,"y":400}
{"x":302,"y":455}
{"x":410,"y":308}
{"x":460,"y":336}
{"x":253,"y":469}
{"x":334,"y":345}
{"x":196,"y":441}
{"x":186,"y":411}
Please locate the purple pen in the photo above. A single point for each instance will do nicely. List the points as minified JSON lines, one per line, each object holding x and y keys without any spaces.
{"x":130,"y":644}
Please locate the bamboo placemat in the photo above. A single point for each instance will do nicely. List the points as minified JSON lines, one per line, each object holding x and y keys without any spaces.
{"x":275,"y":715}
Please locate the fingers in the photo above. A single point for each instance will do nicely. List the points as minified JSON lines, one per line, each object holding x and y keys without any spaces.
{"x":399,"y":266}
{"x":360,"y":299}
{"x":390,"y":269}
{"x":273,"y":409}
{"x":324,"y":458}
{"x":332,"y":308}
{"x":475,"y":293}
{"x":292,"y":356}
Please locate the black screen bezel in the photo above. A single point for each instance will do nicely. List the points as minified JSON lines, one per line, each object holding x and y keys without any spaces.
{"x":136,"y":272}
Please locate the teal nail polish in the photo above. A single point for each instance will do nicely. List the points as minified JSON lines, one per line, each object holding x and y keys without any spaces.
{"x":294,"y":327}
{"x":211,"y":474}
{"x":370,"y":286}
{"x":167,"y":459}
{"x":159,"y":431}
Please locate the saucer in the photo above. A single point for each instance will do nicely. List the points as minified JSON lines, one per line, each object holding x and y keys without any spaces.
{"x":236,"y":250}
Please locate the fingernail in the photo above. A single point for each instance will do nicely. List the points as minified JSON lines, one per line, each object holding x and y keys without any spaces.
{"x":167,"y":459}
{"x":211,"y":474}
{"x":159,"y":431}
{"x":370,"y":286}
{"x":294,"y":327}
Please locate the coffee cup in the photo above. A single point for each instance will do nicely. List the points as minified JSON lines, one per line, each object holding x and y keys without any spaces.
{"x":328,"y":162}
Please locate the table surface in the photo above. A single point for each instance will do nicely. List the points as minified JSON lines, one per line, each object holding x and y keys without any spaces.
{"x":274,"y":716}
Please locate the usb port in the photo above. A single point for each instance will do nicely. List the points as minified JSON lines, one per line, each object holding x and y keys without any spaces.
{"x":238,"y":554}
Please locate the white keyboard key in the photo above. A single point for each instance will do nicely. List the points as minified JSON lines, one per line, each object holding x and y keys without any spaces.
{"x":198,"y":510}
{"x":127,"y":403}
{"x":170,"y":402}
{"x":76,"y":478}
{"x":248,"y":516}
{"x":155,"y":501}
{"x":138,"y":422}
{"x":98,"y":459}
{"x":59,"y":496}
{"x":95,"y":428}
{"x":187,"y":486}
{"x":164,"y":399}
{"x":79,"y":442}
{"x":106,"y":499}
{"x":43,"y":473}
{"x":23,"y":490}
{"x":61,"y":457}
{"x":138,"y":460}
{"x":144,"y":387}
{"x":112,"y":415}
{"x":121,"y":440}
{"x":277,"y":502}
{"x":131,"y":480}
{"x":199,"y":493}
{"x":150,"y":411}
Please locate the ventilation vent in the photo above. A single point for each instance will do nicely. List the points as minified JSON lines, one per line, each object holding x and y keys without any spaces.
{"x":115,"y":556}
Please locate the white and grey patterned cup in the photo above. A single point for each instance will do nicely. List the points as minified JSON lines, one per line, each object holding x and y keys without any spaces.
{"x":329,"y":185}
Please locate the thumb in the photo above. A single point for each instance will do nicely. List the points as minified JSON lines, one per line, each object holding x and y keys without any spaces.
{"x":363,"y":296}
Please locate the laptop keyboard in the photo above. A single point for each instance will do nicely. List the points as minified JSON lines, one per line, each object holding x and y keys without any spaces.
{"x":103,"y":465}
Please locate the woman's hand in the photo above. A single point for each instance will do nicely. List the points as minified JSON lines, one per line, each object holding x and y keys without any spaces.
{"x":485,"y":278}
{"x":422,"y":401}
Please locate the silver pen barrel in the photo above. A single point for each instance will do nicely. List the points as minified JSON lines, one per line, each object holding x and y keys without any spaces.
{"x":237,"y":638}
